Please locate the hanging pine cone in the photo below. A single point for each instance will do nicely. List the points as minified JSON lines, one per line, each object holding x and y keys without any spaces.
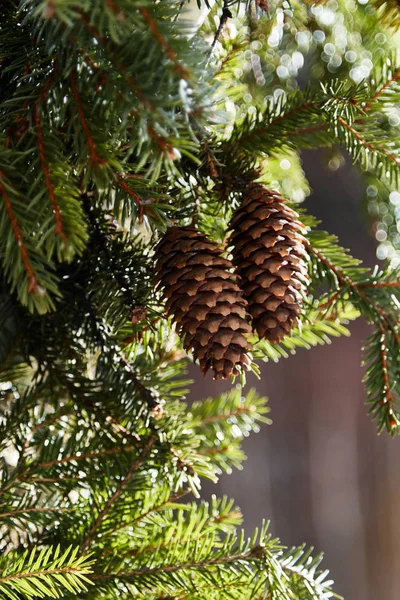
{"x":269,"y":255}
{"x":204,"y":300}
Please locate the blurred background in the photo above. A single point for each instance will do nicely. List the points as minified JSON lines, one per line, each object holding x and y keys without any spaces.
{"x":320,"y":472}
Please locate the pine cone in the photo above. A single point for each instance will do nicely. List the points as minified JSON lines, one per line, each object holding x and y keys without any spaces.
{"x":204,"y":300}
{"x":269,"y":255}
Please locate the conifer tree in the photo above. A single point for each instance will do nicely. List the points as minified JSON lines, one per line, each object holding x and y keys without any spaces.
{"x":136,"y":132}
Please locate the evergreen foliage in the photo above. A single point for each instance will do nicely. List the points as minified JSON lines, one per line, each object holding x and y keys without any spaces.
{"x":116,"y":122}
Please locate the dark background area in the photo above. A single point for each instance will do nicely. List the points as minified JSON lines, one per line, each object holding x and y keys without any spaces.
{"x":320,"y":472}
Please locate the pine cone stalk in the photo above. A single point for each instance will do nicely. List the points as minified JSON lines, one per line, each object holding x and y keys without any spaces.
{"x":270,"y":258}
{"x":204,"y":300}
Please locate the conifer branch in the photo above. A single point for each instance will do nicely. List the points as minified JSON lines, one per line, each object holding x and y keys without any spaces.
{"x":213,"y":520}
{"x":345,"y":281}
{"x":232,"y":413}
{"x":153,"y":509}
{"x":251,"y":555}
{"x":108,"y":46}
{"x":132,"y":194}
{"x":93,"y":154}
{"x":226,"y":14}
{"x":304,"y":107}
{"x":83,"y":456}
{"x":181,"y":70}
{"x":388,"y":398}
{"x":38,"y":574}
{"x":35,"y":509}
{"x":380,"y":284}
{"x":382,"y":89}
{"x":33,"y":283}
{"x":59,"y":229}
{"x":367,"y":144}
{"x":116,"y":495}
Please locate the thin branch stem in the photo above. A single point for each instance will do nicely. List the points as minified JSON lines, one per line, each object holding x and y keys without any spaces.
{"x":40,"y":573}
{"x":59,"y":229}
{"x":331,"y":300}
{"x":233,"y":413}
{"x":304,"y":106}
{"x":116,"y":495}
{"x":33,"y":283}
{"x":380,"y":284}
{"x":252,"y":554}
{"x":379,"y":92}
{"x":155,"y":30}
{"x":84,"y":456}
{"x":12,"y":513}
{"x":345,"y":280}
{"x":368,"y":145}
{"x":151,"y":510}
{"x":115,"y":61}
{"x":387,"y":399}
{"x":94,"y":157}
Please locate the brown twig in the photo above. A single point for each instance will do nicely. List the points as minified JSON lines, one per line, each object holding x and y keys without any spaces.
{"x":253,"y":554}
{"x":115,"y":61}
{"x":379,"y":92}
{"x":34,"y":510}
{"x":226,"y":14}
{"x":94,"y":157}
{"x":46,"y":172}
{"x":380,"y":284}
{"x":151,"y":510}
{"x":133,"y":195}
{"x":305,"y":106}
{"x":233,"y":413}
{"x":163,"y":42}
{"x":388,"y":399}
{"x":83,"y":456}
{"x":40,"y":573}
{"x":33,"y":284}
{"x":116,"y":495}
{"x":331,"y":300}
{"x":364,"y":142}
{"x":345,"y":280}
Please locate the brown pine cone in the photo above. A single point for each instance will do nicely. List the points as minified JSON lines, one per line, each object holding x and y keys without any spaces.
{"x":270,"y":258}
{"x":204,"y":300}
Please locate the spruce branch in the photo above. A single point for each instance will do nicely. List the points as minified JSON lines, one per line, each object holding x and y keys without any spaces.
{"x":346,"y":282}
{"x":251,"y":555}
{"x":44,"y":574}
{"x":381,"y":354}
{"x":392,"y":78}
{"x":59,"y":229}
{"x":94,"y":157}
{"x":81,"y":456}
{"x":313,"y":118}
{"x":388,"y":398}
{"x":273,"y":570}
{"x":372,"y":294}
{"x":33,"y":284}
{"x":154,"y":509}
{"x":154,"y":28}
{"x":116,"y":495}
{"x":112,"y":52}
